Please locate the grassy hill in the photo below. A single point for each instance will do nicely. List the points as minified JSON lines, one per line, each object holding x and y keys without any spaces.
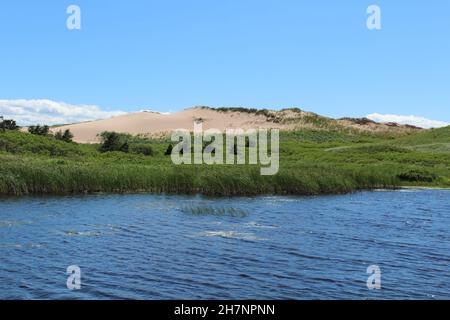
{"x":312,"y":162}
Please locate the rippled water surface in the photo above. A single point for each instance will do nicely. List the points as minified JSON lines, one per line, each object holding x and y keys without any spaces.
{"x":191,"y":247}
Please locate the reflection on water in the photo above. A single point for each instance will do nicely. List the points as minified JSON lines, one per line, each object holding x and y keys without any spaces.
{"x":191,"y":247}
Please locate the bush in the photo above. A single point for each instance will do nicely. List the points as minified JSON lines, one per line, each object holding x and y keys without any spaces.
{"x":67,"y":136}
{"x":112,"y":141}
{"x":8,"y":124}
{"x":39,"y":130}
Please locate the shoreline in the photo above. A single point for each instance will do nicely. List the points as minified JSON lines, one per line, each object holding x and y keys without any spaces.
{"x":200,"y":194}
{"x":423,"y":188}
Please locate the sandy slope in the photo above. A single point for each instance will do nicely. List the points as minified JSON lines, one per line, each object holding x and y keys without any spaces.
{"x":156,"y":124}
{"x":152,"y":123}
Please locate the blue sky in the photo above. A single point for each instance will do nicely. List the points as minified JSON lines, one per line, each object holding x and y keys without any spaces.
{"x":169,"y":55}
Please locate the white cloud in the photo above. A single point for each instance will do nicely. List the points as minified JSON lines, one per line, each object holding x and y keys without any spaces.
{"x":43,"y":111}
{"x":411,"y":120}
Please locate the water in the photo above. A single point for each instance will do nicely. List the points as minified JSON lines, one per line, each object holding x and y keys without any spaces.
{"x":165,"y":247}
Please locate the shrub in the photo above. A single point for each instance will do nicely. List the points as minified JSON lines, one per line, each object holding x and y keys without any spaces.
{"x":112,"y":141}
{"x":39,"y":130}
{"x":8,"y":124}
{"x":67,"y":136}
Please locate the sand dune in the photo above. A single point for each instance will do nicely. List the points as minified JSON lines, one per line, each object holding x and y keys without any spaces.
{"x":152,"y":123}
{"x":157,"y":124}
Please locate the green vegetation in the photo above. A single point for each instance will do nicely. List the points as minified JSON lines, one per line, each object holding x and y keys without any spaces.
{"x":39,"y":130}
{"x":67,"y":136}
{"x":311,"y":162}
{"x":7,"y":124}
{"x":269,"y":114}
{"x":112,"y":141}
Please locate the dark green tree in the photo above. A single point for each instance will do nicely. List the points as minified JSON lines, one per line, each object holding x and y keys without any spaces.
{"x":112,"y":141}
{"x":39,"y":130}
{"x":67,"y":136}
{"x":7,"y":124}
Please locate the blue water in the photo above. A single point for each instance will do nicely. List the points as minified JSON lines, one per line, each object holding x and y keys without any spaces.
{"x":158,"y":247}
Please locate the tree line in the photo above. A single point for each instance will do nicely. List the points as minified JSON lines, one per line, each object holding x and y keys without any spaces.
{"x":7,"y":124}
{"x":44,"y":130}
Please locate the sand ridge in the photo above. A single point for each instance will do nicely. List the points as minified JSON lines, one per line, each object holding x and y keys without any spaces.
{"x":157,"y":124}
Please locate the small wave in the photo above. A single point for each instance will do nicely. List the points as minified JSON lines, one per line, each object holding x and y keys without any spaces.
{"x":405,"y":190}
{"x":232,"y":235}
{"x":276,"y":199}
{"x":19,"y":245}
{"x":254,"y":224}
{"x":9,"y":224}
{"x":215,"y":211}
{"x":11,"y":245}
{"x":81,"y":233}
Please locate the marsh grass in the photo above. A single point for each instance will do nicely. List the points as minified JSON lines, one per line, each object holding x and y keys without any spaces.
{"x":311,"y":162}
